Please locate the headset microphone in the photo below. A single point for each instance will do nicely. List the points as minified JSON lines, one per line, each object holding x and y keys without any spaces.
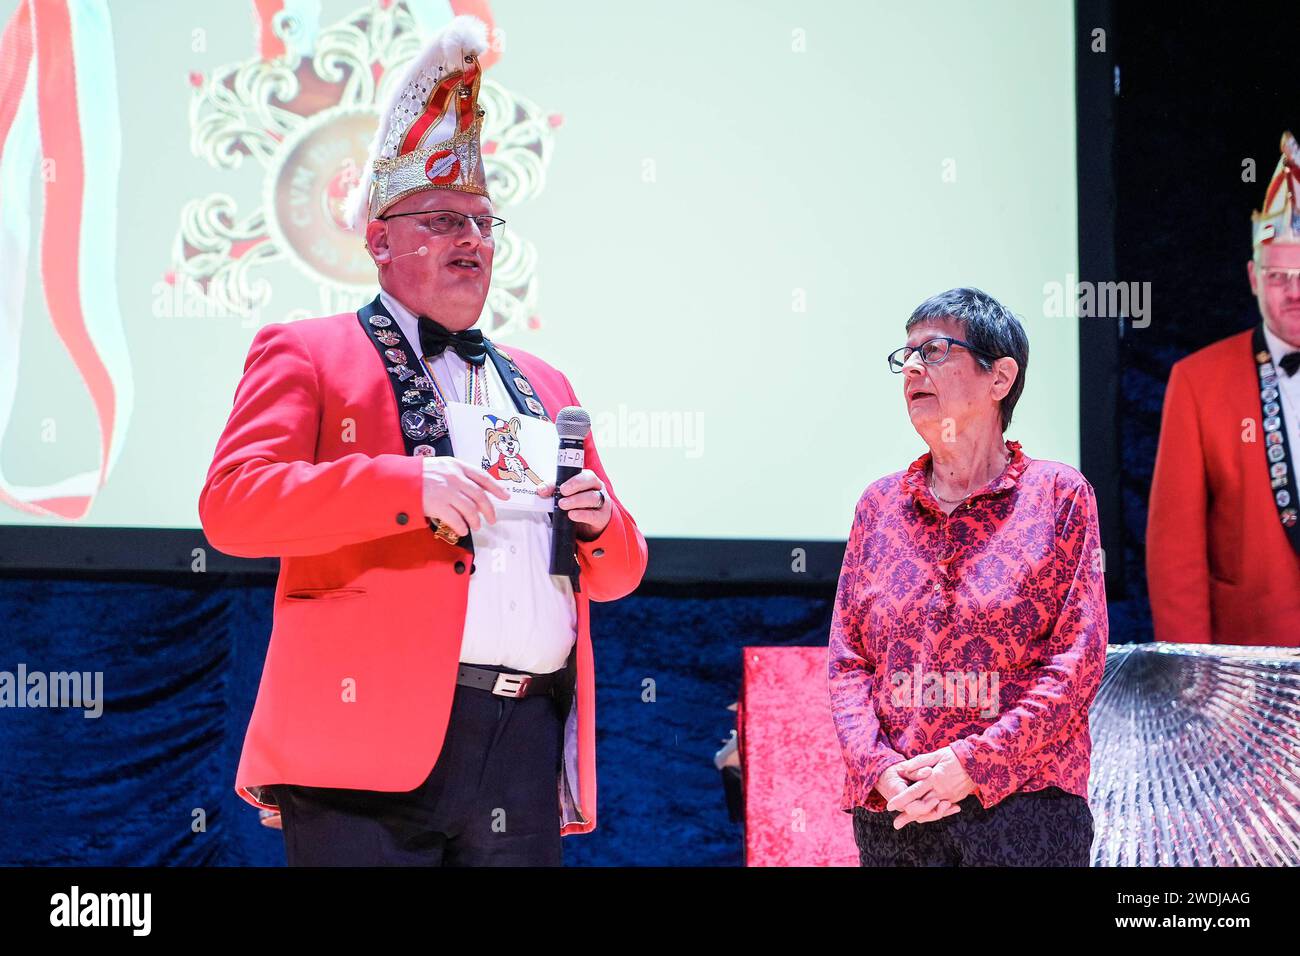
{"x":422,"y":251}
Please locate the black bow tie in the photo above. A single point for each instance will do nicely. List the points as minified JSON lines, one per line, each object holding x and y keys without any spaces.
{"x":434,"y":340}
{"x":1290,"y":362}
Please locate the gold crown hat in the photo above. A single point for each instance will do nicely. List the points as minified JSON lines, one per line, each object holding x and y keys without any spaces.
{"x":1279,"y":219}
{"x":428,"y":135}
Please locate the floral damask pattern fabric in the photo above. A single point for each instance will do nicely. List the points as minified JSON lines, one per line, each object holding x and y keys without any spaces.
{"x":984,"y":630}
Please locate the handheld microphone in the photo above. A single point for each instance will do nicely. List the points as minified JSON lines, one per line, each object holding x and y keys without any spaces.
{"x":573,"y":424}
{"x":422,"y":251}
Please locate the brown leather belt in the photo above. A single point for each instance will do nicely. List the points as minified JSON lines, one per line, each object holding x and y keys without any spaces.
{"x":508,"y":683}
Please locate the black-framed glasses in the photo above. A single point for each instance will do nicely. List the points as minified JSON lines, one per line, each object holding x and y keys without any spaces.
{"x":448,"y":222}
{"x":932,"y":351}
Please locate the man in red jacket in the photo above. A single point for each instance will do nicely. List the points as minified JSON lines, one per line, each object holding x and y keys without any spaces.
{"x":427,"y":697}
{"x":1223,"y":542}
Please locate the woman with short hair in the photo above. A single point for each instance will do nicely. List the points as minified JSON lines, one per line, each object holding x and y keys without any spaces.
{"x":969,"y":633}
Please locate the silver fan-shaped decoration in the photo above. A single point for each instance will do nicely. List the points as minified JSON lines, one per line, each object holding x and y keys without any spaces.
{"x":1196,"y":756}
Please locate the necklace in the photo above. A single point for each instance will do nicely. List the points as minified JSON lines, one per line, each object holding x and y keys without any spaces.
{"x":476,"y":380}
{"x":957,"y":501}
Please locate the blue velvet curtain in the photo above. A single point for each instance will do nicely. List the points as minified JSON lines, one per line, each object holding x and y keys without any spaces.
{"x":151,"y":780}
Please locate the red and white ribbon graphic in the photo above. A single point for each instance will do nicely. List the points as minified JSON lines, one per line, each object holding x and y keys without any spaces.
{"x":59,"y":116}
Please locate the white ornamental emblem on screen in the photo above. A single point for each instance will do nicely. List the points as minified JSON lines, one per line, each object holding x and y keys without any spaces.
{"x":293,"y":133}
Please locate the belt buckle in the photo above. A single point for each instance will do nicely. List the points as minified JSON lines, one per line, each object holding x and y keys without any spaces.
{"x":511,"y":685}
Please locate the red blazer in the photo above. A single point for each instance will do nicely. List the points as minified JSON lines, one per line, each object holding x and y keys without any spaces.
{"x":311,"y":468}
{"x":1219,"y":566}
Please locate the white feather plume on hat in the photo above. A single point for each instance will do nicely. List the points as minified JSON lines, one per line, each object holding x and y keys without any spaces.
{"x":444,"y":52}
{"x":1278,"y":222}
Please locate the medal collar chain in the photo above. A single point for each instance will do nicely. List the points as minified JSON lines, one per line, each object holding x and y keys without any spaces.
{"x":476,"y":380}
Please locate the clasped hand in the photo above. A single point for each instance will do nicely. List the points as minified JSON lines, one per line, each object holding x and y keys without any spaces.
{"x":925,"y":788}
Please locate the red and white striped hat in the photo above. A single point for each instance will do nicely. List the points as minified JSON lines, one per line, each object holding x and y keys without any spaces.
{"x":428,"y":135}
{"x":1279,"y":219}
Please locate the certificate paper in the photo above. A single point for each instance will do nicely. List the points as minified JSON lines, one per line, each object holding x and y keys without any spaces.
{"x":517,"y":450}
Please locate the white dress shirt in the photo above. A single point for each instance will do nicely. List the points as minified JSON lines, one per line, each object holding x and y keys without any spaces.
{"x":1288,"y":387}
{"x":519,"y":615}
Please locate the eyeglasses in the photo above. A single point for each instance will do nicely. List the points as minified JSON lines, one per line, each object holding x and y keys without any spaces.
{"x":1277,"y":278}
{"x":932,"y":352}
{"x":448,"y":222}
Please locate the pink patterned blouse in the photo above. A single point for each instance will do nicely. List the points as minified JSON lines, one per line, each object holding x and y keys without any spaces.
{"x":984,"y":630}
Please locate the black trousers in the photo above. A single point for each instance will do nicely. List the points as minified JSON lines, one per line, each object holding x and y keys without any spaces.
{"x":1042,"y":828}
{"x":490,"y":800}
